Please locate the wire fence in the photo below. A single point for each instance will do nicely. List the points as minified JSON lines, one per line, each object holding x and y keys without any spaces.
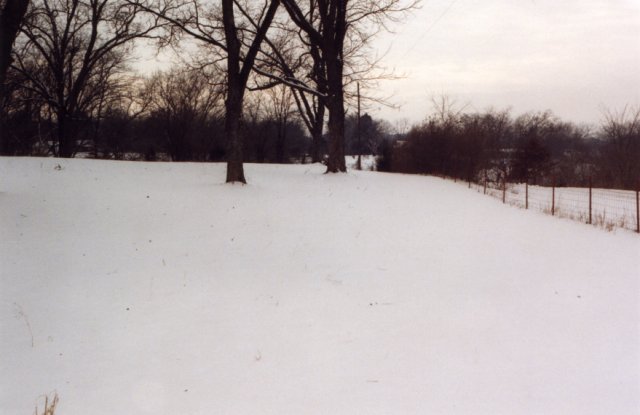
{"x":606,"y":208}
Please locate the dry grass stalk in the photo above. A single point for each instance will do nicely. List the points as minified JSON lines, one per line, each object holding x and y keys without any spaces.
{"x":49,"y":406}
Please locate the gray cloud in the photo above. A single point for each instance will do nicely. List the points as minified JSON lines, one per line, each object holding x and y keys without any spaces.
{"x":573,"y":57}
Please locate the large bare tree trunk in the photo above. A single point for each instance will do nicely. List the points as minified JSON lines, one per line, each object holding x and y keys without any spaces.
{"x":65,"y":141}
{"x":237,"y":76}
{"x":326,"y":35}
{"x":335,"y":103}
{"x":235,"y":95}
{"x":336,"y":160}
{"x":235,"y":169}
{"x":10,"y":20}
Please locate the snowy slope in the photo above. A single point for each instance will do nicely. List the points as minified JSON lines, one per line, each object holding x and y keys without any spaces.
{"x":154,"y":288}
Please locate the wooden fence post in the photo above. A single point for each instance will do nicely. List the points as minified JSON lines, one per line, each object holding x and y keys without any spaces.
{"x":638,"y":207}
{"x":553,"y":196}
{"x":504,"y":189}
{"x":526,"y":194}
{"x":485,"y":182}
{"x":590,"y":199}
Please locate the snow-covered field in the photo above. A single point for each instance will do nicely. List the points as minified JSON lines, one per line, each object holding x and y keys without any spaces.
{"x":154,"y":288}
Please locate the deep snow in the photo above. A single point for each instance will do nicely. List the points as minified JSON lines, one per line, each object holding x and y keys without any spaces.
{"x":154,"y":288}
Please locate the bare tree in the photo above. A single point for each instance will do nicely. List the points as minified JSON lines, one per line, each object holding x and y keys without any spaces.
{"x":183,"y":101}
{"x":111,"y":94}
{"x":281,"y":110}
{"x":328,"y":35}
{"x":24,"y":126}
{"x":621,"y":150}
{"x":253,"y":131}
{"x":77,"y":47}
{"x":232,"y":44}
{"x":496,"y":125}
{"x":334,"y":29}
{"x":291,"y":60}
{"x":531,"y":159}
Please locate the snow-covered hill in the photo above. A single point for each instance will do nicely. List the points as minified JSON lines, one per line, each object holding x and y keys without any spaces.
{"x":154,"y":288}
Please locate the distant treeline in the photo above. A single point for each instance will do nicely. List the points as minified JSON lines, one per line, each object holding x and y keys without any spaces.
{"x":538,"y":148}
{"x":176,"y":115}
{"x":179,"y":115}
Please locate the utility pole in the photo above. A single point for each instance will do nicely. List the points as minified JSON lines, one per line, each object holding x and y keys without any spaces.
{"x":359,"y":164}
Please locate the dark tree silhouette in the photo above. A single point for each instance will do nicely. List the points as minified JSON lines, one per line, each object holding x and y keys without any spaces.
{"x":530,"y":161}
{"x":183,"y":102}
{"x":11,"y":17}
{"x":71,"y":50}
{"x":620,"y":154}
{"x":238,"y":70}
{"x":328,"y":35}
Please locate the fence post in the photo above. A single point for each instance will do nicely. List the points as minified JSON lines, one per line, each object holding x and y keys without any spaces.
{"x":638,"y":207}
{"x":526,"y":194}
{"x":504,"y":189}
{"x":553,"y":196}
{"x":590,"y":198}
{"x":485,"y":182}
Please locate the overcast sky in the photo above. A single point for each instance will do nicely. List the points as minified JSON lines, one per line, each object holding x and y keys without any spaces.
{"x":573,"y":57}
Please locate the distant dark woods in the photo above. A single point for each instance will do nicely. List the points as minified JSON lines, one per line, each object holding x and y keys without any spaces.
{"x":537,"y":148}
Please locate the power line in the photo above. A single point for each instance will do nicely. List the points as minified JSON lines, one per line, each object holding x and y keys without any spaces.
{"x":428,"y":29}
